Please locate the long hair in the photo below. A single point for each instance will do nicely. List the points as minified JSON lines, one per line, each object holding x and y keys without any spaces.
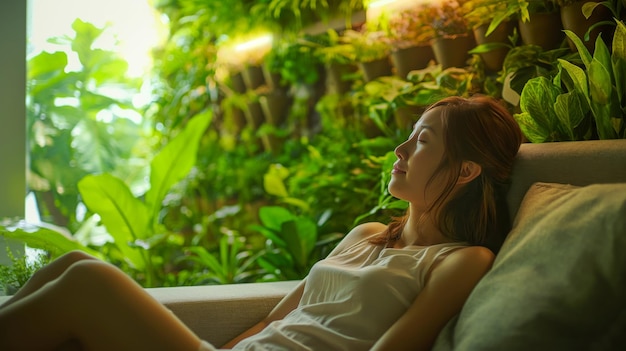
{"x":480,"y":130}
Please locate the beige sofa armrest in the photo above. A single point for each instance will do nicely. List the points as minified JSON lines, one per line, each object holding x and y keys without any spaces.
{"x":218,"y":313}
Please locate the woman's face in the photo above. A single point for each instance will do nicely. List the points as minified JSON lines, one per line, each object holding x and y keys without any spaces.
{"x":418,"y":159}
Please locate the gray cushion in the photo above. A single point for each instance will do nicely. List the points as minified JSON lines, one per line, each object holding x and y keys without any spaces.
{"x":559,"y":282}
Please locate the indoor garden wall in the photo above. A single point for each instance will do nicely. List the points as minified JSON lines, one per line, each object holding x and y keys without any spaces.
{"x":261,"y":164}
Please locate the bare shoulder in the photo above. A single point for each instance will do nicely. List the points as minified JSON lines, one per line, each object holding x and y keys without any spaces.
{"x":471,"y":262}
{"x":358,"y":233}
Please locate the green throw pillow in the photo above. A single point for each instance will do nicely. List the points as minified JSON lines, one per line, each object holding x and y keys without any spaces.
{"x":559,"y":282}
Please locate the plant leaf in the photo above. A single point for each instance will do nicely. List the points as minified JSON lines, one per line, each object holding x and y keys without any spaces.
{"x":570,"y":111}
{"x":531,"y":129}
{"x":124,"y":216}
{"x":46,"y":239}
{"x":175,"y":161}
{"x":582,"y":49}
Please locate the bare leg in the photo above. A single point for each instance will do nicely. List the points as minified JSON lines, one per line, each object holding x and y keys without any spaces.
{"x":97,"y":305}
{"x":48,"y":273}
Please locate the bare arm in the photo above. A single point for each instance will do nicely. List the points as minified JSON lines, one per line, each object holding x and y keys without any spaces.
{"x":286,"y":305}
{"x":446,"y":290}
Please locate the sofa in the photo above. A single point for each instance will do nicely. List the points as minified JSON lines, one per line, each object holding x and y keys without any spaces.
{"x":558,"y":283}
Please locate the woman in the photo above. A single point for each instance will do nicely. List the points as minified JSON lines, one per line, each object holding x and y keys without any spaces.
{"x":382,"y":288}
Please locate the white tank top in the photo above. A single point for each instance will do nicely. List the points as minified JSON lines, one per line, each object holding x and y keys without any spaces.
{"x":351,"y":299}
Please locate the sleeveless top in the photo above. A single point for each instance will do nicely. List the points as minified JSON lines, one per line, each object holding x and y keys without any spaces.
{"x":351,"y":299}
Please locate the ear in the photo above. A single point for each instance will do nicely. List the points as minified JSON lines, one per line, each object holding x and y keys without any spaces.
{"x":469,"y":171}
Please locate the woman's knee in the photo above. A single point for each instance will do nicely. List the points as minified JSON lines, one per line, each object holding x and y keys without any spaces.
{"x":75,"y":256}
{"x":91,"y":274}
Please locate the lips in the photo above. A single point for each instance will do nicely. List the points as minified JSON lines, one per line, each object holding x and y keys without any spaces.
{"x":397,"y":170}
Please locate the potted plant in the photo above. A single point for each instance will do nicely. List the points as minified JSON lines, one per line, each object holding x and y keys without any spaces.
{"x":538,"y":20}
{"x":452,"y":41}
{"x":587,"y":19}
{"x":371,"y":50}
{"x":493,"y":42}
{"x":579,"y":104}
{"x":410,"y":33}
{"x":339,"y":60}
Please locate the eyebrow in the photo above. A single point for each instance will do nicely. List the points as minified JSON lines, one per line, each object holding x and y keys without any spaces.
{"x":424,"y":126}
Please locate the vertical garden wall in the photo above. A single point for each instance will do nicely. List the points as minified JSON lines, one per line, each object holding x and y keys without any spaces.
{"x":275,"y":153}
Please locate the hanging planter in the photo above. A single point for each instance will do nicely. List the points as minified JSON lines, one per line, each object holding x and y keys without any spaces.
{"x":410,"y":31}
{"x":275,"y":106}
{"x":336,"y":81}
{"x":494,"y":58}
{"x":375,"y":69}
{"x":412,"y":58}
{"x":573,"y":19}
{"x":452,"y":40}
{"x":543,"y":29}
{"x":453,"y":51}
{"x":237,"y":83}
{"x":253,"y":76}
{"x":371,"y":49}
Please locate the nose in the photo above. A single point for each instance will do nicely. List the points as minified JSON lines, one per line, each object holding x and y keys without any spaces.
{"x":399,"y":151}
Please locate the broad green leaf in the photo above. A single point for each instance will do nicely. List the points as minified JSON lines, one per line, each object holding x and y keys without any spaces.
{"x":570,"y":111}
{"x":537,"y":98}
{"x":619,"y":41}
{"x":582,"y":49}
{"x":604,"y":121}
{"x":273,"y":217}
{"x":124,"y":216}
{"x":300,"y":235}
{"x":273,"y":180}
{"x":175,"y":161}
{"x":49,"y":240}
{"x":600,"y":86}
{"x":46,"y":64}
{"x":487,"y":47}
{"x":579,"y":78}
{"x":534,"y":132}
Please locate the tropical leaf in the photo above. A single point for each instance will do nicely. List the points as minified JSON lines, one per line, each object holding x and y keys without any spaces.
{"x":175,"y":161}
{"x":125,"y":217}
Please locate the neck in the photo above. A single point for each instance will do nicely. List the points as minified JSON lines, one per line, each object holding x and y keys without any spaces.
{"x":420,"y":229}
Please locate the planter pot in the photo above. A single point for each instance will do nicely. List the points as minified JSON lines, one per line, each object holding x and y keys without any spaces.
{"x":272,"y":79}
{"x":253,"y":77}
{"x":254,"y":114}
{"x":573,"y":19}
{"x":335,"y":81}
{"x":237,"y":82}
{"x":412,"y":58}
{"x":543,"y":29}
{"x":493,"y":59}
{"x":275,"y":107}
{"x":452,"y":51}
{"x":374,"y":69}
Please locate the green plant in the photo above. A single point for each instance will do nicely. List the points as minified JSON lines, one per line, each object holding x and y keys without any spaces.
{"x":603,"y":84}
{"x":75,"y":123}
{"x":367,"y":45}
{"x":412,"y":26}
{"x":525,"y":62}
{"x":134,"y":225}
{"x":19,"y":271}
{"x":558,"y":109}
{"x":294,"y":244}
{"x":295,"y":59}
{"x":498,"y":11}
{"x":449,"y":20}
{"x":233,"y":264}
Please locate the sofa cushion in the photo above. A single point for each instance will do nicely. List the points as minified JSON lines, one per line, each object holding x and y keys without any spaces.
{"x":559,"y":282}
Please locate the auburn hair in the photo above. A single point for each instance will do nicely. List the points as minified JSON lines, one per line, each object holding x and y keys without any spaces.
{"x":480,"y":130}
